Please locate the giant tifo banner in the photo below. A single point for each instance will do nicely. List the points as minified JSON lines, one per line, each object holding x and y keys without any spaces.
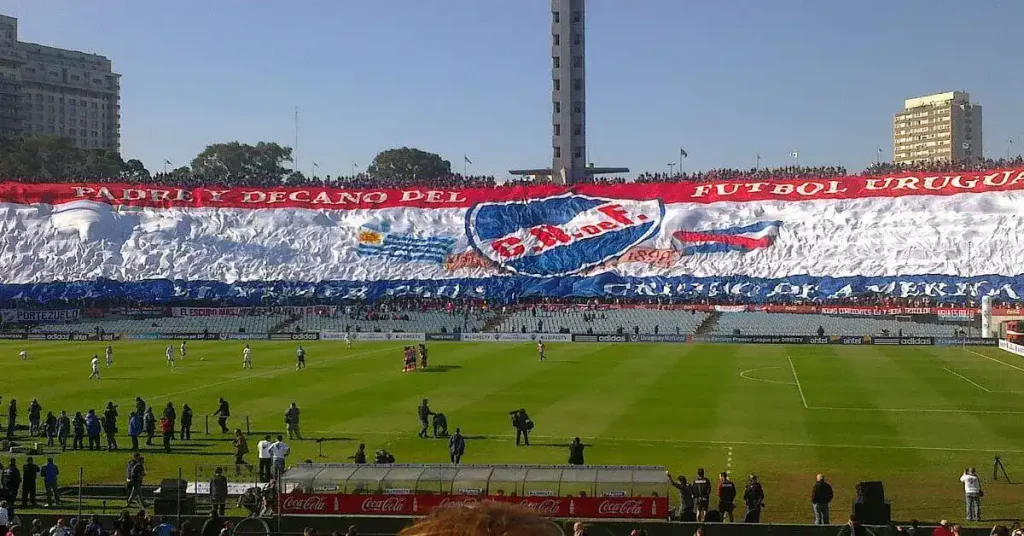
{"x":950,"y":237}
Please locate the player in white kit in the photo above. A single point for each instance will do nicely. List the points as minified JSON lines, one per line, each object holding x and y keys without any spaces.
{"x":95,"y":368}
{"x":23,"y":355}
{"x":540,"y":349}
{"x":183,"y":349}
{"x":110,"y":356}
{"x":247,"y":357}
{"x":170,"y":356}
{"x":348,"y":340}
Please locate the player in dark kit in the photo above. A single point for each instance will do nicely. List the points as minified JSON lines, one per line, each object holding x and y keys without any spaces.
{"x":701,"y":495}
{"x":726,"y":496}
{"x":424,"y":413}
{"x":423,"y":355}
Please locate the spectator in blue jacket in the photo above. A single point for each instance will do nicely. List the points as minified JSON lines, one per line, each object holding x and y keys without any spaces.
{"x":50,"y":472}
{"x":92,"y":429}
{"x":135,"y":429}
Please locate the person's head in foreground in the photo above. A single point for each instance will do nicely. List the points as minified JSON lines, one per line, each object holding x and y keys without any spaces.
{"x":483,"y":519}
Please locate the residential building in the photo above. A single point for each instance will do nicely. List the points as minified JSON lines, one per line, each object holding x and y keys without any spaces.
{"x":939,"y":127}
{"x":57,"y":92}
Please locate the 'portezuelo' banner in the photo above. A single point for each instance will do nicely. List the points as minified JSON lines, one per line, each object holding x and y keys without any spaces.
{"x":951,"y":237}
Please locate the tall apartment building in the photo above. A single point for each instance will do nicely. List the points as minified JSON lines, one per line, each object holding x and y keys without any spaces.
{"x":57,"y":92}
{"x":944,"y":126}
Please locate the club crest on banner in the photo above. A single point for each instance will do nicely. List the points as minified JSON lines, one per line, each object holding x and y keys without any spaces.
{"x":560,"y":235}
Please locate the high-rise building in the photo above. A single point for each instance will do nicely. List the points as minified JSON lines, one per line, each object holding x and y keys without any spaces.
{"x":940,"y":127}
{"x":57,"y":92}
{"x":568,"y":90}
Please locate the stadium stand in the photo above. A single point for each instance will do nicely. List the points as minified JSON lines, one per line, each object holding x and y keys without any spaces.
{"x":215,"y":324}
{"x":750,"y":323}
{"x":426,"y":322}
{"x":648,"y":321}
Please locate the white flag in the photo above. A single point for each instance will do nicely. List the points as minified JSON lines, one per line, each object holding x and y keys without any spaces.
{"x":794,"y":154}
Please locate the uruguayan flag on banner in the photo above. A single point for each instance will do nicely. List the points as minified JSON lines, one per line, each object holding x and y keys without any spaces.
{"x":403,"y":247}
{"x":747,"y":238}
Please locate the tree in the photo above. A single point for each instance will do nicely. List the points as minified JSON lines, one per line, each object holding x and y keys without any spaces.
{"x":236,"y":161}
{"x":134,"y":170}
{"x":407,"y":165}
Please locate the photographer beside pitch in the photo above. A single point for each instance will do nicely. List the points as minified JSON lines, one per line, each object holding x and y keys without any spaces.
{"x":522,"y":423}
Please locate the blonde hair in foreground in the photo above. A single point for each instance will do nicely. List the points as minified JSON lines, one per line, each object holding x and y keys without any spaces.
{"x":483,"y":519}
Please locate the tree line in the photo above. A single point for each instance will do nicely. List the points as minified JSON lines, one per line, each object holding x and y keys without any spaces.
{"x":265,"y":163}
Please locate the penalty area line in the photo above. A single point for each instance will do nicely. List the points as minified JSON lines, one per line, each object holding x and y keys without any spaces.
{"x":966,"y":379}
{"x":990,"y":358}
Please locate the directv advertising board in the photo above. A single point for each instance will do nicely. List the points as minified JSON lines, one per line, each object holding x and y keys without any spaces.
{"x":517,"y":337}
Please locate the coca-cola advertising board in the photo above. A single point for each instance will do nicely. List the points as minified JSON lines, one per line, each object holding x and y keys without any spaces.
{"x":417,"y":505}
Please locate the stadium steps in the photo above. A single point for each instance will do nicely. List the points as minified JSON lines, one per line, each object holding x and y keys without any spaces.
{"x":286,"y":324}
{"x":709,"y":324}
{"x":494,"y":322}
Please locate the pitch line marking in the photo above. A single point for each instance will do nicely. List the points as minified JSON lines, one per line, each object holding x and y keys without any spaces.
{"x":964,"y":378}
{"x":990,"y":358}
{"x":797,"y":378}
{"x":744,"y":373}
{"x":699,"y":442}
{"x":926,"y":410}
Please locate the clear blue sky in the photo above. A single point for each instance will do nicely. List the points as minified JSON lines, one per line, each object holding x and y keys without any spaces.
{"x":724,"y":79}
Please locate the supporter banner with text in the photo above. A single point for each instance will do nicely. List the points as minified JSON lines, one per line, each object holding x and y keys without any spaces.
{"x":741,"y":241}
{"x":15,"y":316}
{"x":418,"y":505}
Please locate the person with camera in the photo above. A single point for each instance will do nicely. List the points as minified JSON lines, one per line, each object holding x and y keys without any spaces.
{"x":972,"y":493}
{"x":522,"y":423}
{"x":576,"y":452}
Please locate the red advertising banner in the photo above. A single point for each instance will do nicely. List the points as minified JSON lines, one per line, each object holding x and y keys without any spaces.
{"x":675,"y":192}
{"x":999,"y":311}
{"x":417,"y":505}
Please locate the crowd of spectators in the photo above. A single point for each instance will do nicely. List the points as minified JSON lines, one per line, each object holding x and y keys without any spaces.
{"x":456,"y":180}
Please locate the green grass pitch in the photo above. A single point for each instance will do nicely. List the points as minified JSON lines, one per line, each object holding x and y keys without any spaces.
{"x":911,"y":417}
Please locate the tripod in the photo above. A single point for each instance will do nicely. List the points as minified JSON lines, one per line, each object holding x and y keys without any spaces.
{"x":997,"y":466}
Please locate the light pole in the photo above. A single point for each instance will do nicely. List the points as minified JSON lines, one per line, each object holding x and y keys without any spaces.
{"x":670,"y":166}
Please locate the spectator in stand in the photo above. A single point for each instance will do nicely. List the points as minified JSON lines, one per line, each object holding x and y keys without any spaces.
{"x":483,"y":519}
{"x":61,"y":528}
{"x":943,"y":529}
{"x":165,"y":528}
{"x":854,"y":528}
{"x":821,"y":498}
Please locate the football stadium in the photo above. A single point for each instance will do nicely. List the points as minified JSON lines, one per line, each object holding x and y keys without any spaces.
{"x":236,"y":346}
